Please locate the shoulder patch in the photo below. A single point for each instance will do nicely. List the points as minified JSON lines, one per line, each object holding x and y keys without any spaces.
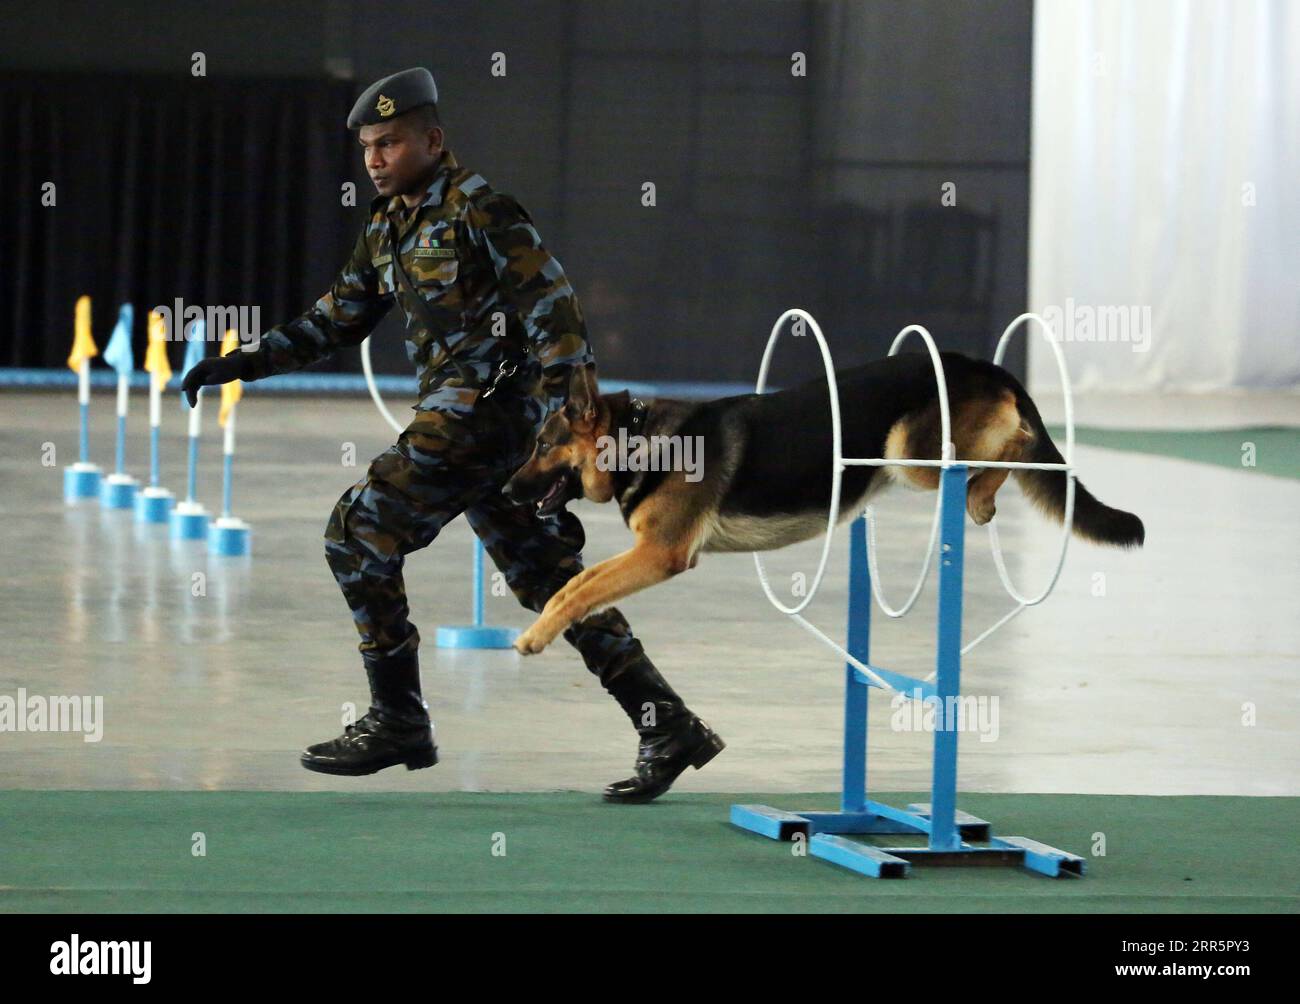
{"x":472,"y":184}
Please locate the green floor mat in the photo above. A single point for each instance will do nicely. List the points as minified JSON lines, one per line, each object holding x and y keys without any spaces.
{"x":1262,"y":449}
{"x":133,"y":851}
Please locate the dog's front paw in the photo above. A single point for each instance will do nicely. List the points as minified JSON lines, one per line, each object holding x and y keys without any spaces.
{"x":554,"y":618}
{"x":532,"y":641}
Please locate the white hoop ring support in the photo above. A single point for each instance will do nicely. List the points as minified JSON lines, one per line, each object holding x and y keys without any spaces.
{"x":374,"y":390}
{"x":1067,"y":520}
{"x":947,"y":451}
{"x":837,"y":460}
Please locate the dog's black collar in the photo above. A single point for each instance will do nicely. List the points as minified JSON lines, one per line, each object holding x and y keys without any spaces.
{"x":638,"y":417}
{"x":623,"y":479}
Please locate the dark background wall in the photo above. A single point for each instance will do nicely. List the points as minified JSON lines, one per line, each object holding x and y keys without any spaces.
{"x":773,"y":190}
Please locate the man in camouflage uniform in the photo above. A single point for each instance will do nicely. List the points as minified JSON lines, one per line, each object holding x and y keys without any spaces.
{"x":495,"y":319}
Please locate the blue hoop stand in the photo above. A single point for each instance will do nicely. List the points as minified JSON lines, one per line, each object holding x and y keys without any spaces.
{"x":953,"y":835}
{"x":476,"y":635}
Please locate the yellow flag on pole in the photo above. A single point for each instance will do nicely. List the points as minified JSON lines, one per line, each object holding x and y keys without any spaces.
{"x":83,"y":346}
{"x":155,"y":356}
{"x":233,"y":391}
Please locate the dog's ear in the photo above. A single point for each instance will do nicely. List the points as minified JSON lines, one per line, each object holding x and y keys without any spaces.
{"x":584,"y":397}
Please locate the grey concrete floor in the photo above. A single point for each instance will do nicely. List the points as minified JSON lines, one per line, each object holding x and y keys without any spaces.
{"x":1139,"y":675}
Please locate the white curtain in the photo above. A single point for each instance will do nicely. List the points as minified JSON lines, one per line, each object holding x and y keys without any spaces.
{"x":1164,"y":214}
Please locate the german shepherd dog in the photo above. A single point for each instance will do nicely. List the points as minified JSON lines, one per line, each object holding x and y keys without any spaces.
{"x":763,"y":479}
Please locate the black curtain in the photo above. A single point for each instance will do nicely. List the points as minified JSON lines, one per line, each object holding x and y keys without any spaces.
{"x":221,"y":192}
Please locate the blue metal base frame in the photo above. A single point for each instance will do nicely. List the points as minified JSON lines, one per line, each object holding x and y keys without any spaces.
{"x":952,"y":837}
{"x":826,"y":834}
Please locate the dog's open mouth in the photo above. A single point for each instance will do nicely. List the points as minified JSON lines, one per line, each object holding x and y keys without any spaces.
{"x":557,"y":495}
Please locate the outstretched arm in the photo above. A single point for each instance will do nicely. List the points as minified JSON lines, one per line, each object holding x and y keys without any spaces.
{"x":345,"y":315}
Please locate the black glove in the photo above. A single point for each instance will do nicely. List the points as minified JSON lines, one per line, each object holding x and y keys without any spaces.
{"x":215,"y":370}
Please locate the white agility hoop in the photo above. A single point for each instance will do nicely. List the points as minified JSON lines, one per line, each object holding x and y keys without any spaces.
{"x":374,"y":390}
{"x":837,"y":463}
{"x":946,"y":452}
{"x":947,"y":459}
{"x":1067,"y":521}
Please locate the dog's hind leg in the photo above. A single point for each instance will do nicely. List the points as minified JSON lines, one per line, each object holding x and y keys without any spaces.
{"x":1002,"y":435}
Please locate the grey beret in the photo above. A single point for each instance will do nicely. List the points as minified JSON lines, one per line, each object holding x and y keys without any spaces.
{"x":390,"y":97}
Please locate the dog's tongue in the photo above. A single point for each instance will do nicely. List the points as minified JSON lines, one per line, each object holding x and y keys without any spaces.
{"x":551,"y":496}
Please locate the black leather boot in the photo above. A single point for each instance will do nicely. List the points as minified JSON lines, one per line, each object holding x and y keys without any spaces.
{"x":672,"y":738}
{"x":395,"y":730}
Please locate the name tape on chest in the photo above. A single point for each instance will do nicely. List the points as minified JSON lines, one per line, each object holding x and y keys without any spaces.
{"x":379,"y":261}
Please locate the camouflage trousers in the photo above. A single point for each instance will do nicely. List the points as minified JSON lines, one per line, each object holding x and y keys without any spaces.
{"x":450,"y":461}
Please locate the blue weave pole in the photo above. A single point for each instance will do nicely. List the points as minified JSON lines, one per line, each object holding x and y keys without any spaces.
{"x":154,"y":503}
{"x":84,"y":438}
{"x":951,"y":837}
{"x":121,"y":445}
{"x":228,"y":536}
{"x":119,"y":489}
{"x":82,"y":480}
{"x":155,"y":474}
{"x":192,"y":478}
{"x":188,"y":519}
{"x":227,"y":477}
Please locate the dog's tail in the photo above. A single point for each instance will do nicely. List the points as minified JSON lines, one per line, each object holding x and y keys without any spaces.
{"x":1093,"y":520}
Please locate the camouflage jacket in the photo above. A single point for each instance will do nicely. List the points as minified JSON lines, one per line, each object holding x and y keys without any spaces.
{"x":477,"y":261}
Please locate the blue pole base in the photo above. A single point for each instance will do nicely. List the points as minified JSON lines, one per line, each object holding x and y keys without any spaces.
{"x":826,"y":834}
{"x":153,"y":505}
{"x":230,"y":537}
{"x":117,"y":491}
{"x":189,"y":521}
{"x":80,"y":481}
{"x":475,"y":636}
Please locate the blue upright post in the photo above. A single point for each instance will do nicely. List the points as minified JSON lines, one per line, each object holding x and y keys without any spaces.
{"x":477,"y":634}
{"x":121,"y":444}
{"x":943,"y":826}
{"x":192,"y":479}
{"x":856,"y":691}
{"x":84,"y":437}
{"x":478,"y":582}
{"x":227,"y":476}
{"x":154,"y":473}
